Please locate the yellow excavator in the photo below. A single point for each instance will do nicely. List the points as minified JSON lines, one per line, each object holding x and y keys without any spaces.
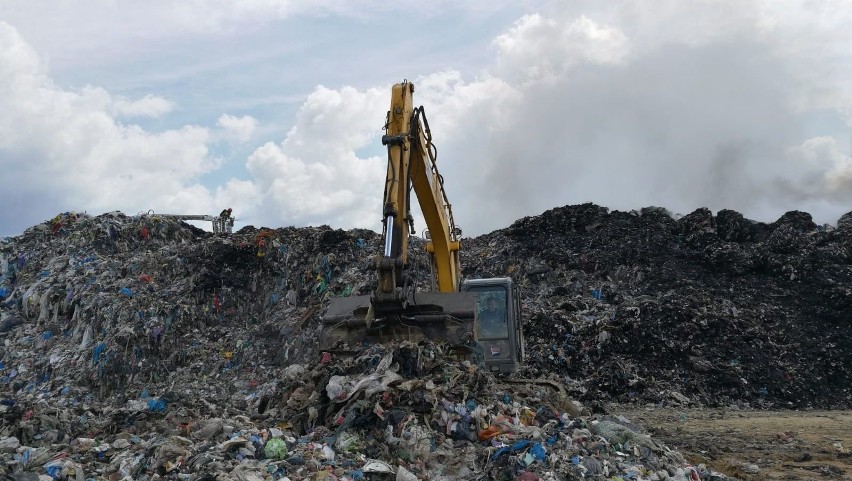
{"x":452,"y":311}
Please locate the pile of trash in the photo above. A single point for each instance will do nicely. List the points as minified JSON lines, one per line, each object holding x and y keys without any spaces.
{"x":703,"y":309}
{"x":142,"y":348}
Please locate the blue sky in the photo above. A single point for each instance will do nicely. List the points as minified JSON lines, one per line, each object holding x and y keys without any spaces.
{"x":275,"y":107}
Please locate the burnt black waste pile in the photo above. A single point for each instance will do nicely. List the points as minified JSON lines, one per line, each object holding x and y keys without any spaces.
{"x":140,"y":347}
{"x":718,"y":309}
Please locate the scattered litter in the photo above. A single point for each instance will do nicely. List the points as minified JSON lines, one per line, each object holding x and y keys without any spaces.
{"x":142,"y":348}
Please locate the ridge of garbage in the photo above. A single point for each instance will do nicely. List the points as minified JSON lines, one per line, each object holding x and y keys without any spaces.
{"x":140,"y":347}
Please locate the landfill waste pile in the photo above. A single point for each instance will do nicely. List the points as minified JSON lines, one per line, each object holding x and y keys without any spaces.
{"x":704,"y":310}
{"x":142,"y":348}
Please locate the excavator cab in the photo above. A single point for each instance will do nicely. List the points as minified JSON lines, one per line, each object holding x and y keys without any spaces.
{"x":499,"y":333}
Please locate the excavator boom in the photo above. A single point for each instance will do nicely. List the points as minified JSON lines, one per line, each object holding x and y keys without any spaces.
{"x":394,"y":311}
{"x":411,"y":166}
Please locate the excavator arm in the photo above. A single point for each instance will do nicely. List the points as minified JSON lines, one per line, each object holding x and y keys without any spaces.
{"x":411,"y":166}
{"x":395,"y":311}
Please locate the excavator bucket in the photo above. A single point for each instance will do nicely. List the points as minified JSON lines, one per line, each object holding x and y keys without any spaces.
{"x":347,"y":326}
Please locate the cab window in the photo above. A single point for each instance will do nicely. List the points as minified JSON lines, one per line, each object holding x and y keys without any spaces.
{"x":491,"y":313}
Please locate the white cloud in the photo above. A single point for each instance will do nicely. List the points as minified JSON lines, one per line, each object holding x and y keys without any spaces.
{"x":543,"y":48}
{"x":701,"y":112}
{"x":315,"y":175}
{"x":813,"y":38}
{"x":830,"y":168}
{"x":457,"y":108}
{"x":698,"y":113}
{"x":239,"y":128}
{"x":62,"y":149}
{"x":625,"y":103}
{"x":245,"y":197}
{"x":148,"y":106}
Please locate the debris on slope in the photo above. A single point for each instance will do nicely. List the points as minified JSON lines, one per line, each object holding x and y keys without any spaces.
{"x":704,"y":309}
{"x":144,"y":348}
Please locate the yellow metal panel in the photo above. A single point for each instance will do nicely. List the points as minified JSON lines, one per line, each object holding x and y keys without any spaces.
{"x":411,"y":166}
{"x":431,"y":202}
{"x":396,"y":187}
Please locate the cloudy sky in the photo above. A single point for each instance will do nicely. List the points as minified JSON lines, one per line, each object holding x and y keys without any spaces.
{"x":275,"y":107}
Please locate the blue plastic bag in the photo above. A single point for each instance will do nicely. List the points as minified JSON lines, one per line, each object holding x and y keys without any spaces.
{"x":97,"y":351}
{"x":157,"y":405}
{"x":538,"y":451}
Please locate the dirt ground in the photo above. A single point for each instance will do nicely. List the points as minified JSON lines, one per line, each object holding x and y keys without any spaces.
{"x":755,"y":445}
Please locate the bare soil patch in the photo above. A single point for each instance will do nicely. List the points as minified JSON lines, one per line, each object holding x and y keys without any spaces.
{"x":755,"y":445}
